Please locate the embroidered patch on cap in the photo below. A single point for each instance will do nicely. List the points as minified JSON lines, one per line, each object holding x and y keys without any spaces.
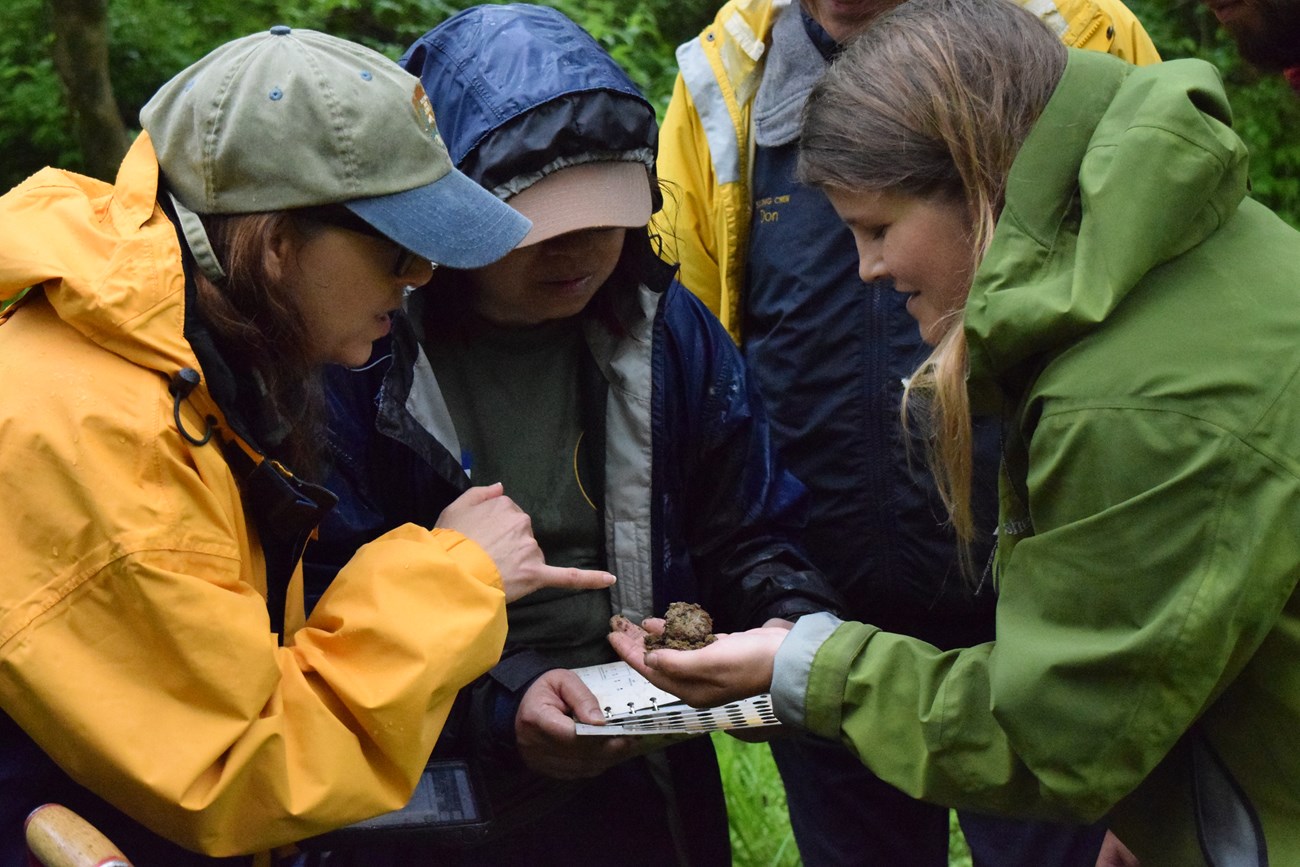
{"x":424,"y":113}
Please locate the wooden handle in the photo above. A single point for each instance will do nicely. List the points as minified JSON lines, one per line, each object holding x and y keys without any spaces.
{"x":59,"y":837}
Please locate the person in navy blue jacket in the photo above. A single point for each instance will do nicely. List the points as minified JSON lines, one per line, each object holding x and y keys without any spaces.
{"x":615,"y":410}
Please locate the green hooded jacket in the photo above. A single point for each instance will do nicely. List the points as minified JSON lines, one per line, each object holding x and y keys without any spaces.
{"x":1137,"y":323}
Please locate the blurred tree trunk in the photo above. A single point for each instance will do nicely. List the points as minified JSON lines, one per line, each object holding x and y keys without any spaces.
{"x":81,"y":58}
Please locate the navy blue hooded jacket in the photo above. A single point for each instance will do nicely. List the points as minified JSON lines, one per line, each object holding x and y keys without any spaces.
{"x":693,"y":502}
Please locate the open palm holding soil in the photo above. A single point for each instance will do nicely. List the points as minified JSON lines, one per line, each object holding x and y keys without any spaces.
{"x":735,"y":666}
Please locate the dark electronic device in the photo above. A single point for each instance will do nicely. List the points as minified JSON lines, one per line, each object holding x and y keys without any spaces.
{"x":447,"y":807}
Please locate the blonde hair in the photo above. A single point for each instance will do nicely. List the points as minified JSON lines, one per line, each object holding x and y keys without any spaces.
{"x":934,"y":100}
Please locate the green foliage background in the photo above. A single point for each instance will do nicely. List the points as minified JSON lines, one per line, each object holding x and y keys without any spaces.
{"x":153,"y":39}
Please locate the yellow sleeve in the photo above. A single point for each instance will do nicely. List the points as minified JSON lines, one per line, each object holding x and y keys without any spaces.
{"x":157,"y":684}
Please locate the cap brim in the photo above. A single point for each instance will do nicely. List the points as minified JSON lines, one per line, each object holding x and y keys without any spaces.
{"x":585,"y":196}
{"x":452,"y":221}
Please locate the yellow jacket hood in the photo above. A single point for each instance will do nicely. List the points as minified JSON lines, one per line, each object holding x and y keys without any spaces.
{"x":113,"y":274}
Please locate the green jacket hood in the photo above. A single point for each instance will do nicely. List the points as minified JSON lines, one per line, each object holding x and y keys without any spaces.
{"x":1086,"y":217}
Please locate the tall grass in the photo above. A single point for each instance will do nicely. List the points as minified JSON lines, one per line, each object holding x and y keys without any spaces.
{"x":760,"y":825}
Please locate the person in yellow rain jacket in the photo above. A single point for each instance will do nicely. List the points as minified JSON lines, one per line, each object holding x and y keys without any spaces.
{"x":707,"y":138}
{"x":830,"y":355}
{"x":158,"y":410}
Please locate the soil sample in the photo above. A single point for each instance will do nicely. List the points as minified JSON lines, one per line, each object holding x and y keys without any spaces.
{"x":687,"y":626}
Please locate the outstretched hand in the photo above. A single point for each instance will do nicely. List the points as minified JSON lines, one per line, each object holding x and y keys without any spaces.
{"x":736,"y":666}
{"x":502,"y":529}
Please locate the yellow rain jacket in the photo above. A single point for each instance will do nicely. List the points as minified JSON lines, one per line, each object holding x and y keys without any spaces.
{"x":135,"y":641}
{"x":705,"y":143}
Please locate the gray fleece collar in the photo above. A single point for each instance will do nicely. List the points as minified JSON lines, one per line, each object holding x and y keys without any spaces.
{"x":793,"y":66}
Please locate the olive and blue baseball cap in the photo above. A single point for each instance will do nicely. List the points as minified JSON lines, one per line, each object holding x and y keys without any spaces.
{"x":294,"y":118}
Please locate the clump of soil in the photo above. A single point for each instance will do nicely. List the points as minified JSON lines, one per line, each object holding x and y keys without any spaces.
{"x":687,"y":626}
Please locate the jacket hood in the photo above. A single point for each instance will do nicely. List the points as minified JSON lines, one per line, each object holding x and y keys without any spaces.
{"x":105,"y":256}
{"x":1127,"y":168}
{"x":521,"y":91}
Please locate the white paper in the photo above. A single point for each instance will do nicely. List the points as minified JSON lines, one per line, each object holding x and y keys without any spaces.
{"x":634,"y":706}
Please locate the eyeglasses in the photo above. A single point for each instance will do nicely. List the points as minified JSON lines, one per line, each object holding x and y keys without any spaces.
{"x":342,"y":218}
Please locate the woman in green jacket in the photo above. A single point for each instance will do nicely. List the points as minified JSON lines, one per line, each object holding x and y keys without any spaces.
{"x":1076,"y":242}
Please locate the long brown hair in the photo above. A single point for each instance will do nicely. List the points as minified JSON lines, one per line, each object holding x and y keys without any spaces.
{"x":261,"y":331}
{"x":934,"y":100}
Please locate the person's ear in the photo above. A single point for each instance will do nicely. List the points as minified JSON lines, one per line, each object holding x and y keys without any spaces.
{"x":281,"y":249}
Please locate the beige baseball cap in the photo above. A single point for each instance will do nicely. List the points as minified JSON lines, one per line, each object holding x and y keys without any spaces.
{"x":591,"y":195}
{"x":295,"y":118}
